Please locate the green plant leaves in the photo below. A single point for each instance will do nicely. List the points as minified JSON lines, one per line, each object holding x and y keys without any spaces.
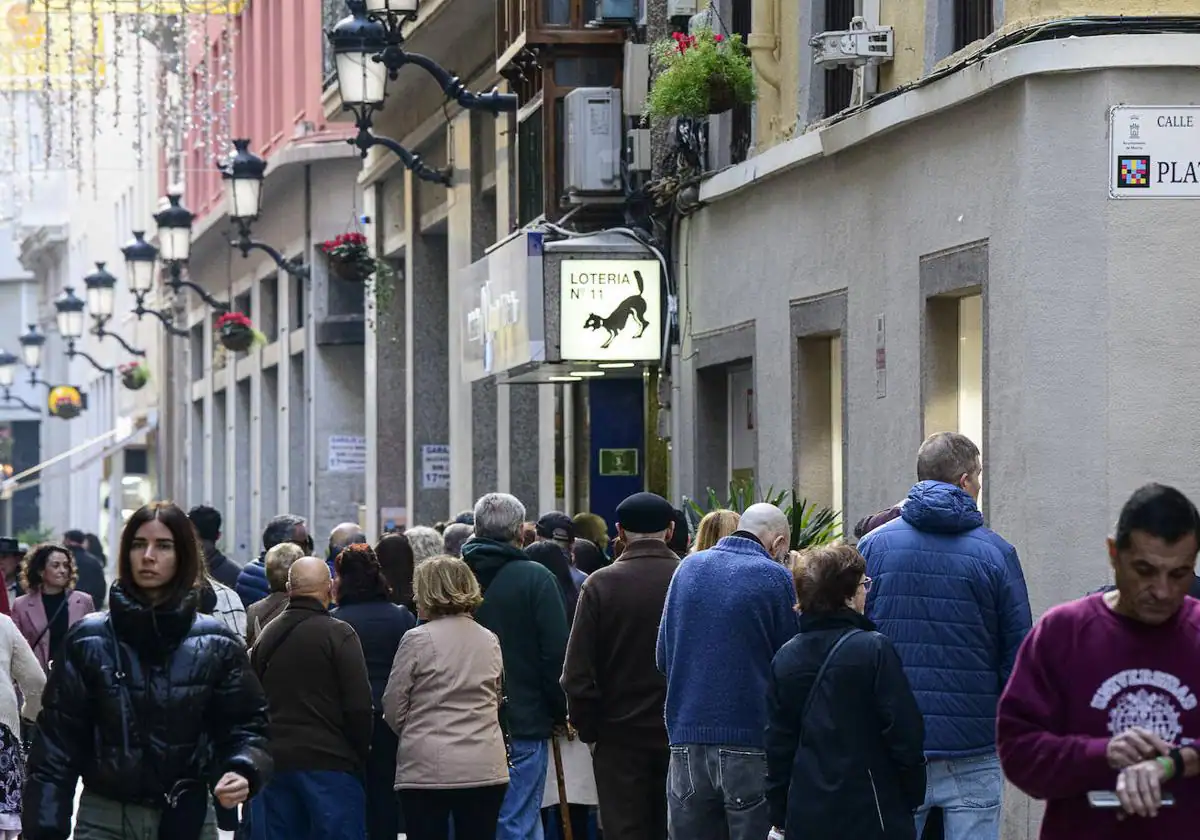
{"x":812,"y":525}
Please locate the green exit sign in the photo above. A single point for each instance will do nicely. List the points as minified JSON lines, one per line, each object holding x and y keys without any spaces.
{"x":618,"y":462}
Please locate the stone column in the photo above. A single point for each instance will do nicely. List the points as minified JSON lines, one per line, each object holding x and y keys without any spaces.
{"x":427,"y":346}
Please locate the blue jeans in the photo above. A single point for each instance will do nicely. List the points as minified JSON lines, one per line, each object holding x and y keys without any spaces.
{"x":314,"y":805}
{"x":970,"y":792}
{"x":521,"y":813}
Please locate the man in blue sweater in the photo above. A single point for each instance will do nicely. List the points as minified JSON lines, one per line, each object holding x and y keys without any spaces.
{"x":951,"y":596}
{"x":729,"y":609}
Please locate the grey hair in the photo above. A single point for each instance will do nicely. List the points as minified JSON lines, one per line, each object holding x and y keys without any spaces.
{"x":947,"y":457}
{"x":280,"y":529}
{"x":278,"y":563}
{"x":499,"y":516}
{"x":425,"y":543}
{"x":453,"y":538}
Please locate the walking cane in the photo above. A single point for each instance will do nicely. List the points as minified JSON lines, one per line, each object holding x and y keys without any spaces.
{"x":564,"y":810}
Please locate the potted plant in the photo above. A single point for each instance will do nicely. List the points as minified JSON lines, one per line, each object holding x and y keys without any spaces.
{"x":134,"y":375}
{"x":698,"y":75}
{"x":236,"y":332}
{"x":349,"y":257}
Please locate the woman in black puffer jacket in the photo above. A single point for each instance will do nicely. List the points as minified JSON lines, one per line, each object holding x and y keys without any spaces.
{"x":153,"y":705}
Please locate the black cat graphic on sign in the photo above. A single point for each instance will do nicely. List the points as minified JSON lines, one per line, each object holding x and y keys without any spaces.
{"x":633,"y":307}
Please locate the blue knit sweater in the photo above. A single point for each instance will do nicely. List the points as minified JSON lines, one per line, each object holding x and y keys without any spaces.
{"x":728,"y":611}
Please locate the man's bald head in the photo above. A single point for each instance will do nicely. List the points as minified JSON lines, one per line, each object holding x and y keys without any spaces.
{"x":770,"y":525}
{"x":309,"y":578}
{"x":348,"y":533}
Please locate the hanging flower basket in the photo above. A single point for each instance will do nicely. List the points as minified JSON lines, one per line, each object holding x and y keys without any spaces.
{"x":349,"y":257}
{"x":134,"y":376}
{"x":699,"y":75}
{"x":236,"y":332}
{"x":67,"y":408}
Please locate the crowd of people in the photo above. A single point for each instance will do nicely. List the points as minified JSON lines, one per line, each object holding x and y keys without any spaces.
{"x":499,"y":677}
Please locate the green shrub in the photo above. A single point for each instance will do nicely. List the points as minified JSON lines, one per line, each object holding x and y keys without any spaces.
{"x":693,"y":71}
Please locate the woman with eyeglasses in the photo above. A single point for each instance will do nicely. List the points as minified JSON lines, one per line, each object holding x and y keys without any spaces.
{"x":845,"y":739}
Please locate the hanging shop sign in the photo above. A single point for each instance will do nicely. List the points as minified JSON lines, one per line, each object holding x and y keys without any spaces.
{"x":1155,"y":152}
{"x":611,"y":310}
{"x":502,"y":326}
{"x":66,"y":401}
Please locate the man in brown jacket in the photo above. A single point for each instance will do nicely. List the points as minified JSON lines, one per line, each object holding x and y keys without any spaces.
{"x":312,"y":668}
{"x":615,"y":691}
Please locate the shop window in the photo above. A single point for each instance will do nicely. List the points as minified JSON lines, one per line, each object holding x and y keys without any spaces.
{"x":954,"y":366}
{"x":972,"y":21}
{"x":819,"y":468}
{"x":741,"y":425}
{"x":531,"y":190}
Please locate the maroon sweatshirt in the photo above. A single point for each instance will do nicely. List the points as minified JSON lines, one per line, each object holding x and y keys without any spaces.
{"x":1083,"y":675}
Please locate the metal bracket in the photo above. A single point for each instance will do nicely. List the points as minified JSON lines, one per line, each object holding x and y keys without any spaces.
{"x":72,"y":353}
{"x":246,"y":244}
{"x":101,"y":333}
{"x":8,"y":397}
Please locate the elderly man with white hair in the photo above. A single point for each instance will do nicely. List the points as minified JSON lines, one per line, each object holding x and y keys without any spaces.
{"x":523,"y":606}
{"x":729,"y":610}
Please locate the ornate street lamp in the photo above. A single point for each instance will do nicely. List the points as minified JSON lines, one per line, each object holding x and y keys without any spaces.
{"x":31,"y":347}
{"x":244,"y":173}
{"x":8,"y":374}
{"x":175,"y":230}
{"x":371,"y":41}
{"x":101,"y":300}
{"x":69,"y":308}
{"x":141,"y":264}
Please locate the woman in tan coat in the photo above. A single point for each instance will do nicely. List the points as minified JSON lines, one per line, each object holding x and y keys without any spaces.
{"x":443,"y":701}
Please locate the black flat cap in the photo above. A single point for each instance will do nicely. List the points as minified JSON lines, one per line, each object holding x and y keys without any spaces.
{"x":645,"y":513}
{"x":556,"y":525}
{"x":9,"y":546}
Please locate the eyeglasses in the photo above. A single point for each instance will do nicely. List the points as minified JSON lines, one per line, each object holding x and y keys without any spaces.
{"x":866,"y":584}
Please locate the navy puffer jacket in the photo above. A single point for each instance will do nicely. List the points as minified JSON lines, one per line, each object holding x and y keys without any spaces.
{"x":951,"y":596}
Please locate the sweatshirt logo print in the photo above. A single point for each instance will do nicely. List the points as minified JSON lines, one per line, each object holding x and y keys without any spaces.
{"x":1152,"y":700}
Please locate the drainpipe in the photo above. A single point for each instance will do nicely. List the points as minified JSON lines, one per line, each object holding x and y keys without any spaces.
{"x":764,"y":50}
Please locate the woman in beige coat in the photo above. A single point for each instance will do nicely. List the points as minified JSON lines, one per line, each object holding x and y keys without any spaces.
{"x":443,"y":701}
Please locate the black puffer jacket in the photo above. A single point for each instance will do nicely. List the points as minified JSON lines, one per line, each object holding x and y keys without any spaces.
{"x":196,"y":710}
{"x":858,"y":770}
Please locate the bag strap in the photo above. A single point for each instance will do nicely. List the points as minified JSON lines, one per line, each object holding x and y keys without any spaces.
{"x":265,"y":658}
{"x":812,"y":692}
{"x":62,"y":605}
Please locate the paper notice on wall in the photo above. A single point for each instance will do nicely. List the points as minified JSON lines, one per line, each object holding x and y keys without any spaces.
{"x":347,"y":453}
{"x":435,"y":466}
{"x":880,"y":357}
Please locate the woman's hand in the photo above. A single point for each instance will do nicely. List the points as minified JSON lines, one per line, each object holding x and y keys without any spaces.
{"x":233,"y":789}
{"x":1139,"y":787}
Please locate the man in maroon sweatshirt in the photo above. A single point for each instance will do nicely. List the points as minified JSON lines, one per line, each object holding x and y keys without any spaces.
{"x":1104,"y":692}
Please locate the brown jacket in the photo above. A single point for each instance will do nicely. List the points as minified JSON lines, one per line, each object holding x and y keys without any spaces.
{"x":614,"y":689}
{"x":312,"y":668}
{"x":443,"y":700}
{"x":260,"y":613}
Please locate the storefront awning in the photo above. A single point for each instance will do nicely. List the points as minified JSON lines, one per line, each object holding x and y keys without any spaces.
{"x":127,"y":431}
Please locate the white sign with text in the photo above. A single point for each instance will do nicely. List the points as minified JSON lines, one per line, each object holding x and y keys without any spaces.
{"x":611,"y":310}
{"x":347,"y":453}
{"x":435,"y":466}
{"x":1155,"y":152}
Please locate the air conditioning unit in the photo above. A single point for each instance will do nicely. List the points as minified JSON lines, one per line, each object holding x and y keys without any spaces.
{"x":618,"y":11}
{"x":682,"y":8}
{"x":859,"y":46}
{"x":593,"y":142}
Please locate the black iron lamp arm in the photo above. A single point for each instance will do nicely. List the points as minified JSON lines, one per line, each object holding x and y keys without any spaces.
{"x":365,"y":140}
{"x":101,"y":333}
{"x":167,"y":321}
{"x":72,"y":353}
{"x":176,"y":283}
{"x":246,"y":244}
{"x":34,"y":380}
{"x":395,"y":57}
{"x":8,"y":397}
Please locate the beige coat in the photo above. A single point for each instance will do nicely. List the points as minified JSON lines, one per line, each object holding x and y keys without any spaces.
{"x":442,"y":699}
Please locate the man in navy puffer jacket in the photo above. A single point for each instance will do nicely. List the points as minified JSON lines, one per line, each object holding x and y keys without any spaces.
{"x":951,"y":596}
{"x":252,"y":584}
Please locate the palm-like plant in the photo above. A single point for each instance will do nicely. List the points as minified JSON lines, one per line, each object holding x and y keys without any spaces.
{"x":812,"y":525}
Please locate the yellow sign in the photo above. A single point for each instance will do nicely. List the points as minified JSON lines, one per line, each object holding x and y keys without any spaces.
{"x":64,"y":49}
{"x":65,"y":401}
{"x":149,"y":7}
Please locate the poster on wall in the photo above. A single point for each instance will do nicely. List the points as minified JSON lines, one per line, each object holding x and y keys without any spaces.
{"x":347,"y":453}
{"x":435,"y":466}
{"x":611,"y":310}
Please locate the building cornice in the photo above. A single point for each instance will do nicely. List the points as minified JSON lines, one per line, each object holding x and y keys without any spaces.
{"x":37,"y":241}
{"x":991,"y":72}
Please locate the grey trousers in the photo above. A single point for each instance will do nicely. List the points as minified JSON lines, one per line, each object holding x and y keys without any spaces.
{"x":106,"y":819}
{"x":717,"y":793}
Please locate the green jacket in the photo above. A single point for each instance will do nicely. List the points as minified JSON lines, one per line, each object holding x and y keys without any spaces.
{"x":523,"y":606}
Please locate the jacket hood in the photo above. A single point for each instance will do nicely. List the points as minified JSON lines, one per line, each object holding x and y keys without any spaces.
{"x":487,"y":557}
{"x":869,"y":523}
{"x":940,"y":508}
{"x":154,"y":631}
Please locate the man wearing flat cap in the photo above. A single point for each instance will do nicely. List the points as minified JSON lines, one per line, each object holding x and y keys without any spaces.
{"x":558,"y":528}
{"x":615,"y":692}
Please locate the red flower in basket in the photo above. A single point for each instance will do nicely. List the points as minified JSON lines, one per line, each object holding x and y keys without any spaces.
{"x":233,"y":319}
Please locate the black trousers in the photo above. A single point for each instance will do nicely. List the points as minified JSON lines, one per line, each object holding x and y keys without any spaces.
{"x":383,"y":808}
{"x":577,"y":814}
{"x":631,"y":783}
{"x":933,"y":825}
{"x":427,"y":812}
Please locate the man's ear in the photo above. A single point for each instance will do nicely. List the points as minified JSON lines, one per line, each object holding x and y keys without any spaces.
{"x":670,"y":532}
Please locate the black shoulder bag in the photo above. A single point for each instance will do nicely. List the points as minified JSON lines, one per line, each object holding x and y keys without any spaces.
{"x":185,"y":805}
{"x":812,"y":692}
